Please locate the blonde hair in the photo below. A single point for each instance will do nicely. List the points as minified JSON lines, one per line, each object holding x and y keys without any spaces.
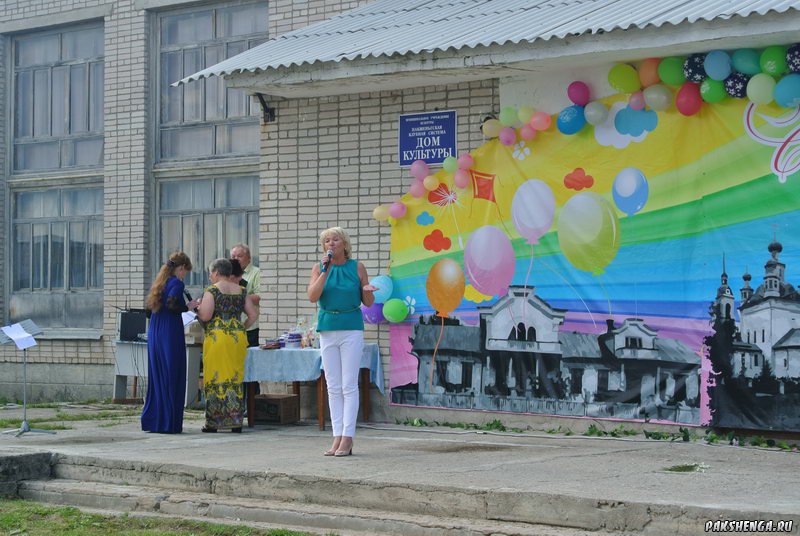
{"x":342,"y":234}
{"x":179,"y":258}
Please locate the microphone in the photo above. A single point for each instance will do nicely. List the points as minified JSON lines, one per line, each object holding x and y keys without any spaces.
{"x":188,"y":296}
{"x":326,"y":263}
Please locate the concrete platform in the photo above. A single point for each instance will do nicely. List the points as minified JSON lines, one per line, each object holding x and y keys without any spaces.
{"x":586,"y":484}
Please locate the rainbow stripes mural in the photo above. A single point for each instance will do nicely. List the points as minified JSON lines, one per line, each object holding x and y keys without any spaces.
{"x":599,"y":267}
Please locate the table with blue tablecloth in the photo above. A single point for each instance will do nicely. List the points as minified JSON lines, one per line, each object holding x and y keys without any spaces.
{"x":303,"y":365}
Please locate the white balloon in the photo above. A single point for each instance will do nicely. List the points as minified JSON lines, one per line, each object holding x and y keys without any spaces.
{"x":595,"y":113}
{"x":658,"y":97}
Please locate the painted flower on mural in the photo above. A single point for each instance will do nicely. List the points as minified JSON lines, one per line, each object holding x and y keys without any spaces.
{"x":436,"y":241}
{"x":521,"y":151}
{"x":410,"y":303}
{"x":578,"y":180}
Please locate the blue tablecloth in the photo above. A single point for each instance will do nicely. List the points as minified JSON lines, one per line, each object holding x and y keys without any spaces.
{"x":303,"y":365}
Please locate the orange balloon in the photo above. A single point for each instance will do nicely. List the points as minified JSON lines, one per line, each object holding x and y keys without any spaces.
{"x":445,"y":286}
{"x":648,"y":72}
{"x":430,"y":182}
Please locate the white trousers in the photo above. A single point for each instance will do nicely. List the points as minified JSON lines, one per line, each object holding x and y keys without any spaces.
{"x":341,"y":357}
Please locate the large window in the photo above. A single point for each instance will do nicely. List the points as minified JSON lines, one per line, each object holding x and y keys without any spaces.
{"x":205,"y":217}
{"x":205,"y":118}
{"x":58,"y":99}
{"x":57,"y":257}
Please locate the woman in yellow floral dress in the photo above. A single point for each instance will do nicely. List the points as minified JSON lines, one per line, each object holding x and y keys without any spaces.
{"x":224,"y":348}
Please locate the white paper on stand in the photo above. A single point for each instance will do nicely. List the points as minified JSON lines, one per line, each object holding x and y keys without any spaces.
{"x":21,"y":338}
{"x":188,"y":317}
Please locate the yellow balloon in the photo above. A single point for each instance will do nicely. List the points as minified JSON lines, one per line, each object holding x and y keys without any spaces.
{"x":381,"y":212}
{"x":445,"y":286}
{"x":430,"y":183}
{"x":491,"y":128}
{"x":588,"y":232}
{"x":525,"y":114}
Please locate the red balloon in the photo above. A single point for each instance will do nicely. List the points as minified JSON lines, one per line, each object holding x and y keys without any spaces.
{"x":578,"y":93}
{"x":688,"y":100}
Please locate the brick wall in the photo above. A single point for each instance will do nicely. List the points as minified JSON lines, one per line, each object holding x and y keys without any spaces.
{"x":330,"y":161}
{"x":288,"y":15}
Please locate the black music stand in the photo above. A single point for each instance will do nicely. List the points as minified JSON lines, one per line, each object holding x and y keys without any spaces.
{"x":31,"y":329}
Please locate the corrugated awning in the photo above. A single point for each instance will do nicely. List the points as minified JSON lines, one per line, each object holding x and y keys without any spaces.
{"x":388,"y":28}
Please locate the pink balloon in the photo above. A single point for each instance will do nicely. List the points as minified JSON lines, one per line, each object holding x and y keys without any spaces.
{"x":420,"y":169}
{"x":532,"y":210}
{"x":527,"y":133}
{"x":465,"y":161}
{"x":489,"y":261}
{"x":636,"y":102}
{"x":461,"y":178}
{"x":688,"y":100}
{"x":541,"y":121}
{"x":578,"y":93}
{"x":508,"y":136}
{"x":397,"y":210}
{"x":417,"y":188}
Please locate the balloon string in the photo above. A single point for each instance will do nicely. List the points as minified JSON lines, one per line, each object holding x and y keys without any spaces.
{"x":455,"y":220}
{"x":433,"y":359}
{"x":599,"y":282}
{"x":564,"y":279}
{"x":525,"y":309}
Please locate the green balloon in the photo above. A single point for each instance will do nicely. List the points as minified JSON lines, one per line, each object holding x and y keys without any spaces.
{"x":670,"y":71}
{"x":395,"y":310}
{"x":773,"y":60}
{"x":713,"y":90}
{"x":588,"y":232}
{"x":509,"y":116}
{"x":450,"y":164}
{"x":624,"y":78}
{"x":746,"y":60}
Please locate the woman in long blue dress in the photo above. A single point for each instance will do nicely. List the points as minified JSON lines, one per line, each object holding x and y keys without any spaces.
{"x":166,"y":348}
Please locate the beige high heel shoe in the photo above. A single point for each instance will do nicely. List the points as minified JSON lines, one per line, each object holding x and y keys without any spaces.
{"x":332,"y":451}
{"x":341,"y":451}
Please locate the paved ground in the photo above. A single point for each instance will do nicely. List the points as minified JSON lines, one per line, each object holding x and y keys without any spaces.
{"x":746,"y":480}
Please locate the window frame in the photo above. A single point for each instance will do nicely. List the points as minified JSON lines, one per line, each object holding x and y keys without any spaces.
{"x":252,"y":109}
{"x":198,"y":266}
{"x":65,"y":139}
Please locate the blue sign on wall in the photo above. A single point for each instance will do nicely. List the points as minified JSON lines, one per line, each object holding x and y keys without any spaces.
{"x":428,"y":136}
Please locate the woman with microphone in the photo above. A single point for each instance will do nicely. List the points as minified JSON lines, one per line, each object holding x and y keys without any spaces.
{"x":340,"y":284}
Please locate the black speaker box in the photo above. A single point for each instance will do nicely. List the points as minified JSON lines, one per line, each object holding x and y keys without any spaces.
{"x":131,"y":324}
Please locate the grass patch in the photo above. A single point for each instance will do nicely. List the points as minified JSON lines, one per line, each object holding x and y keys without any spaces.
{"x":492,"y":426}
{"x":687,"y":468}
{"x":684,"y":434}
{"x":33,"y":519}
{"x":619,"y":431}
{"x":16,"y":423}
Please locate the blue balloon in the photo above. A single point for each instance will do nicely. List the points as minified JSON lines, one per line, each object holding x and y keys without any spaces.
{"x":385,"y":288}
{"x":787,"y":91}
{"x":747,"y":61}
{"x":571,"y":120}
{"x":630,"y":190}
{"x":717,"y":65}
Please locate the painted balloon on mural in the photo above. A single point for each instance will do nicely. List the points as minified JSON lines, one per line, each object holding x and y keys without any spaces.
{"x":630,"y":190}
{"x":588,"y":232}
{"x":385,"y":288}
{"x":532,"y":210}
{"x":489,"y":260}
{"x":445,"y":286}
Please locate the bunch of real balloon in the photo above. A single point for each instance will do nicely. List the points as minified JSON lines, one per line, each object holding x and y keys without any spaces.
{"x":424,"y":181}
{"x":524,"y":118}
{"x":385,"y":307}
{"x":760,"y":76}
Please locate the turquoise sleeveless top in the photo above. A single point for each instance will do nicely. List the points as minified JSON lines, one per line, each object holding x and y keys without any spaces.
{"x":340,"y":303}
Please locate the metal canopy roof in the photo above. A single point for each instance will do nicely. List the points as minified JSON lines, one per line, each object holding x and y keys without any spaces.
{"x":386,"y":28}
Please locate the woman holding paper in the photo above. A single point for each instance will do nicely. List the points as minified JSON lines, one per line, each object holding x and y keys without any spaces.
{"x":166,"y":348}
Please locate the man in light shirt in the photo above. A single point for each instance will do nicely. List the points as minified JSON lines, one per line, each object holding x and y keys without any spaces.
{"x":252,"y":281}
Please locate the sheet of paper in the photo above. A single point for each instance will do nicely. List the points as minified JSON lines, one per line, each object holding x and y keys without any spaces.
{"x":188,"y":317}
{"x":21,"y":338}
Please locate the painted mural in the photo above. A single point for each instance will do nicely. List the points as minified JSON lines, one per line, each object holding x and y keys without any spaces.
{"x":634,"y":262}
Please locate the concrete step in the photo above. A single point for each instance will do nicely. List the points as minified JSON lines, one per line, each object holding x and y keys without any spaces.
{"x":667,"y":516}
{"x":312,"y":518}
